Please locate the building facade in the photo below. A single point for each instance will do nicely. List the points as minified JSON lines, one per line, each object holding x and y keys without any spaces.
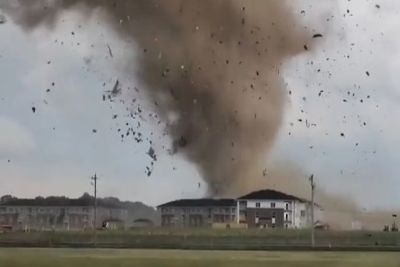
{"x":259,"y":209}
{"x":68,"y":214}
{"x":198,"y":212}
{"x":273,"y":209}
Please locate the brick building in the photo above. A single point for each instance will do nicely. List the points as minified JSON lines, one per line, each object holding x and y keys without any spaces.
{"x":259,"y":209}
{"x":58,"y":213}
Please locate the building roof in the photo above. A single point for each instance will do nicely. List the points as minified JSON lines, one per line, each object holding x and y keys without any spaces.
{"x":270,"y":194}
{"x":203,"y":202}
{"x":58,"y":202}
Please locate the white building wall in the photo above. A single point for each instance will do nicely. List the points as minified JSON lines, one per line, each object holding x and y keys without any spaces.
{"x":299,"y":210}
{"x":287,"y":205}
{"x":305,"y":221}
{"x":266,"y":204}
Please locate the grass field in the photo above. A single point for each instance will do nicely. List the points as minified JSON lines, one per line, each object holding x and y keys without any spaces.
{"x":14,"y":257}
{"x":202,"y":239}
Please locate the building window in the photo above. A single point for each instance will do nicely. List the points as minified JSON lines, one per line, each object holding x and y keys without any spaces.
{"x":287,"y":206}
{"x":258,"y":205}
{"x":273,"y":205}
{"x":303,"y":213}
{"x":286,"y":217}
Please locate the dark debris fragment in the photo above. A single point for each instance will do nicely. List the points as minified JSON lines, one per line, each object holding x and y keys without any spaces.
{"x":152,"y":154}
{"x":3,"y":19}
{"x":110,"y":51}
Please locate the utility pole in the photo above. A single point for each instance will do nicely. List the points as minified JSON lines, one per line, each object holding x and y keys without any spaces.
{"x":94,"y":183}
{"x":312,"y":209}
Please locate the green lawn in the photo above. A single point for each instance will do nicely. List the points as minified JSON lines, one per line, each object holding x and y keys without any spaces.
{"x":14,"y":257}
{"x":207,"y":239}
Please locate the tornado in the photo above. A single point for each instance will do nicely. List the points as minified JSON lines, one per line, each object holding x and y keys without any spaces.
{"x":215,"y":68}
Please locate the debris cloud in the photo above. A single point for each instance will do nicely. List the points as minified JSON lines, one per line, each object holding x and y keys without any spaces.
{"x":214,"y":68}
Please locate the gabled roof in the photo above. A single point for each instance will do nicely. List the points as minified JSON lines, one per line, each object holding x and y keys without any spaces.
{"x":270,"y":194}
{"x":203,"y":202}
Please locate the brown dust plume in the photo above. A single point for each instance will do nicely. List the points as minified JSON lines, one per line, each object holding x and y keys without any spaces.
{"x":213,"y":67}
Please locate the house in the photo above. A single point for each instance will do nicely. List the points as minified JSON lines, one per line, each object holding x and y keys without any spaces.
{"x":198,"y":212}
{"x":273,"y":209}
{"x":58,"y":213}
{"x":259,"y":209}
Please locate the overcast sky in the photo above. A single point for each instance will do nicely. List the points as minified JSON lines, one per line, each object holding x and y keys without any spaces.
{"x":54,"y":151}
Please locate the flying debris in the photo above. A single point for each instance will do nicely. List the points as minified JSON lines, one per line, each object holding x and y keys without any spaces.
{"x":149,"y":171}
{"x":110,"y":51}
{"x":317,"y":35}
{"x":152,"y":154}
{"x":2,"y":19}
{"x":34,"y":109}
{"x":115,"y":91}
{"x":264,"y":172}
{"x":367,"y":72}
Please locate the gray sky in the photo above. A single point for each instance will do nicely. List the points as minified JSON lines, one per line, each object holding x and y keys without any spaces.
{"x":54,"y":151}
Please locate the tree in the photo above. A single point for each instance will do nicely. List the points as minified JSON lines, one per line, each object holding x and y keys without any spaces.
{"x":6,"y":198}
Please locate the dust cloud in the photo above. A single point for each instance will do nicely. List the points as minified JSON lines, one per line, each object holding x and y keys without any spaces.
{"x":214,"y":68}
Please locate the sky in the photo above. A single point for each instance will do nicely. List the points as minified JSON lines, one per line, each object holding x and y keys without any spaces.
{"x":349,"y":142}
